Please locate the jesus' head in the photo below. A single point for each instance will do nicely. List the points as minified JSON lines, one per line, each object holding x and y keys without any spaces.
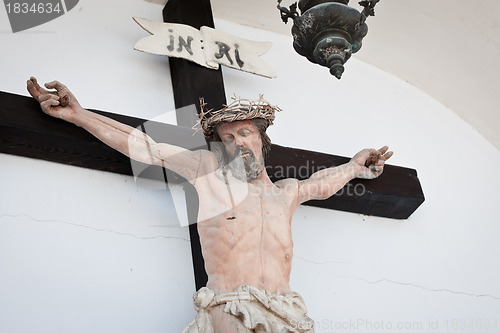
{"x":238,"y":135}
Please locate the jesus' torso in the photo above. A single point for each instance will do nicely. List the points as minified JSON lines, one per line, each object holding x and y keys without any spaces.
{"x":245,"y":232}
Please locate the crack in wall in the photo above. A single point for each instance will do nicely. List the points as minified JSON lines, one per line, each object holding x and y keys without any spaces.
{"x":327,"y":262}
{"x":120,"y":233}
{"x":407,"y":284}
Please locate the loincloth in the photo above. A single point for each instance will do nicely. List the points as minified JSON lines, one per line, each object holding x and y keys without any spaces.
{"x":258,"y":310}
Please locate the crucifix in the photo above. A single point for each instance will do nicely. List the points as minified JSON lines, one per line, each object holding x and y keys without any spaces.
{"x":188,"y":87}
{"x":190,"y":82}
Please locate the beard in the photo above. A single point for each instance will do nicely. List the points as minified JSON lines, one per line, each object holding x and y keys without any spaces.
{"x":246,"y":168}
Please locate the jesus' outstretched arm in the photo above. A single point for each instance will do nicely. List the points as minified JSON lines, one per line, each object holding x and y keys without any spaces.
{"x":127,"y":140}
{"x":367,"y":164}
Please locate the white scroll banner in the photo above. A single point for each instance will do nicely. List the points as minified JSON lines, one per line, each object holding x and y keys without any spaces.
{"x":206,"y":47}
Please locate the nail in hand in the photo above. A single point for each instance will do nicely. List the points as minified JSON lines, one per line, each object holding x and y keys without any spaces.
{"x":64,"y":101}
{"x":372,"y":159}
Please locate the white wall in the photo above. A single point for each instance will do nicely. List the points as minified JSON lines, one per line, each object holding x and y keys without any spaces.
{"x":83,"y":250}
{"x":423,"y":42}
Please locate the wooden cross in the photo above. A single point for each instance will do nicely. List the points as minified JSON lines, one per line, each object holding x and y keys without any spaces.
{"x":28,"y":132}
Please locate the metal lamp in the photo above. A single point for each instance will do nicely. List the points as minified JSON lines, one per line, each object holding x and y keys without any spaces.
{"x":327,"y":32}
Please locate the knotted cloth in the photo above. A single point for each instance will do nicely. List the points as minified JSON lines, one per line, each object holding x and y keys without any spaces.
{"x":258,"y":310}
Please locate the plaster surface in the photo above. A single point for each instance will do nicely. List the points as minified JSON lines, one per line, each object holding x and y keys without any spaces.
{"x":83,"y":250}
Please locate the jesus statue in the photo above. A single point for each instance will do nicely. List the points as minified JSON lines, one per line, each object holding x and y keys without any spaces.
{"x":244,"y":219}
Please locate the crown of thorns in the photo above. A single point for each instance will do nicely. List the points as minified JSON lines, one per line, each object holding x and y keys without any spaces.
{"x":239,"y":109}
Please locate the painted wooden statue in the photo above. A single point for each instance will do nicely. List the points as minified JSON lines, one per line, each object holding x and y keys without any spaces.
{"x":244,"y":219}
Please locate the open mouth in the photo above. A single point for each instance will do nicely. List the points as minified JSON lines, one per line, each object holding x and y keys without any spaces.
{"x":245,"y":154}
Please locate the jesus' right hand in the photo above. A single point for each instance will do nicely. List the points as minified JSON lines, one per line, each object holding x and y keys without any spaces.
{"x":51,"y":101}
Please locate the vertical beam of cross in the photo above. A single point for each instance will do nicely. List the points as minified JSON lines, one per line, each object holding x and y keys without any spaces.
{"x":190,"y":82}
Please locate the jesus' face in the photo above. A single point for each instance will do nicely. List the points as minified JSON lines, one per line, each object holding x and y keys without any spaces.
{"x":243,"y":145}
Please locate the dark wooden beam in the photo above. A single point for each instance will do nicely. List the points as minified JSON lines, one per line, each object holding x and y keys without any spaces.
{"x":26,"y":131}
{"x":191,"y":81}
{"x":395,"y":194}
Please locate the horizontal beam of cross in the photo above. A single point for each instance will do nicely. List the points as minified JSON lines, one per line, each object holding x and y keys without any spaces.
{"x":26,"y":131}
